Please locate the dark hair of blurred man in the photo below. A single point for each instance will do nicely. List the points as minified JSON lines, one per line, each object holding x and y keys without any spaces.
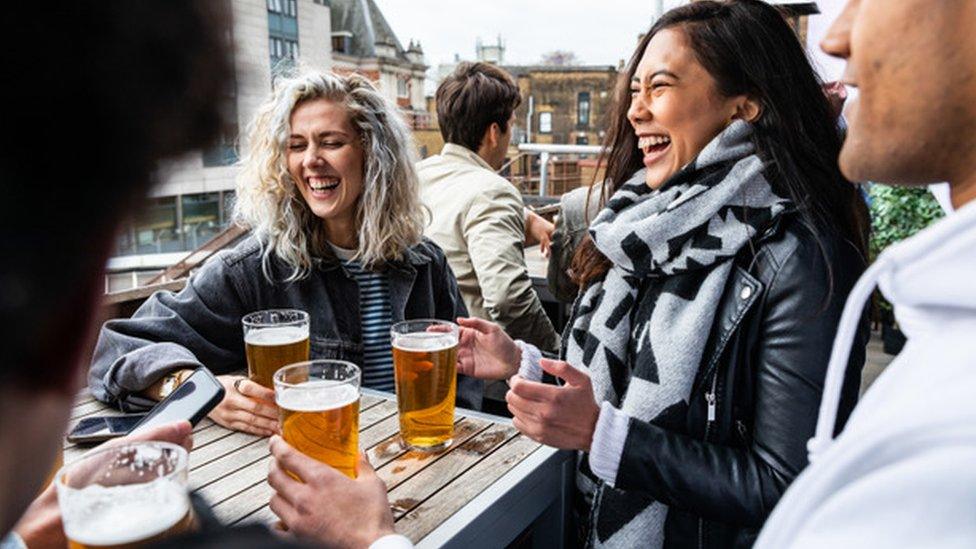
{"x":96,"y":93}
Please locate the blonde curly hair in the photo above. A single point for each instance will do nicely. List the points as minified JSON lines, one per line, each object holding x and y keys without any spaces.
{"x":389,"y":214}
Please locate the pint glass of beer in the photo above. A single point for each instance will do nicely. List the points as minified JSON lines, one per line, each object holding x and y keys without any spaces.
{"x":425,"y":368}
{"x":273,"y":339}
{"x":125,"y":496}
{"x":319,"y":405}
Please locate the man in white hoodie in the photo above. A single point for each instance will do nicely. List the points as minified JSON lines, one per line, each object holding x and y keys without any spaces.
{"x":903,"y":471}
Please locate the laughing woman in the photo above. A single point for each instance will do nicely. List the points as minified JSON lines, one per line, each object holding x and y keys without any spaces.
{"x":712,"y":284}
{"x":328,"y":190}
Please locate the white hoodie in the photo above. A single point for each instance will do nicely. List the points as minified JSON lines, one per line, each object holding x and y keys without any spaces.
{"x":903,"y":471}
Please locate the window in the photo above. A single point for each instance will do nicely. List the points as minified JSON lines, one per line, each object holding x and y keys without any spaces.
{"x":201,"y":218}
{"x":582,"y":140}
{"x":339,"y":44}
{"x":403,"y":87}
{"x":583,"y":109}
{"x":545,"y":122}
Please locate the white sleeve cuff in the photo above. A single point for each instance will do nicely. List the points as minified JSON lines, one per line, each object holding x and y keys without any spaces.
{"x":608,"y":442}
{"x":530,"y":368}
{"x":12,"y":541}
{"x":392,"y":541}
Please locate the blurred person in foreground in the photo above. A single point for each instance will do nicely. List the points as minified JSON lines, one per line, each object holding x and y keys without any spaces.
{"x":900,"y":473}
{"x":328,"y":189}
{"x":112,"y":88}
{"x":477,"y":216}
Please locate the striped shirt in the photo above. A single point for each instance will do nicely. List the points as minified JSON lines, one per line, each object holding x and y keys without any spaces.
{"x":377,"y":318}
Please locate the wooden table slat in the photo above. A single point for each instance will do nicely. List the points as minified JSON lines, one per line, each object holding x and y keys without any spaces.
{"x":229,"y":469}
{"x":431,"y":479}
{"x":225,"y":465}
{"x":92,"y":407}
{"x":263,"y":515}
{"x":396,"y":472}
{"x":209,"y":435}
{"x":233,"y":484}
{"x":243,"y":504}
{"x":422,"y":520}
{"x":221,"y":447}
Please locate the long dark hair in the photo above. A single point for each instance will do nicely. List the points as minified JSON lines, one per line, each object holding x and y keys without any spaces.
{"x":749,"y":49}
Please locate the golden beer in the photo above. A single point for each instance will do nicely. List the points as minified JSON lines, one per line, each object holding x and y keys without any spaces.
{"x":319,"y":405}
{"x":126,"y":496}
{"x":425,"y":366}
{"x":324,"y":427}
{"x":271,"y":348}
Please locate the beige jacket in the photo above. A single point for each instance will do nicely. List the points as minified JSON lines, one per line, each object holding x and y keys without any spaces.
{"x":478,"y":219}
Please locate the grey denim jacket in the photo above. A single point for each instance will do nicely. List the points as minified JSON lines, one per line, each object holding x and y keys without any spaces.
{"x":201,"y":325}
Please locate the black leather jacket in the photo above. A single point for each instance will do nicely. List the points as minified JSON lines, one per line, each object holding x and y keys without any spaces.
{"x":761,"y":380}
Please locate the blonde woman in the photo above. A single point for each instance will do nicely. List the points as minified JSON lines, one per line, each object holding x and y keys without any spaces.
{"x":328,"y":189}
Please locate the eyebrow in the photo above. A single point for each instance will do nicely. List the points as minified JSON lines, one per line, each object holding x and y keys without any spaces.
{"x":320,"y":135}
{"x":651,"y":76}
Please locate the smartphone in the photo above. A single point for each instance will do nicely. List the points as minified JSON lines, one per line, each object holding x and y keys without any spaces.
{"x":191,"y":401}
{"x":102,"y":428}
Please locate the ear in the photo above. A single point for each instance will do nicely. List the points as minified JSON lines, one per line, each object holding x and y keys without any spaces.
{"x":748,"y":109}
{"x":491,"y":135}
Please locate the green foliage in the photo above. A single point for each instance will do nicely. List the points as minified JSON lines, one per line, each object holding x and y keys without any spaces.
{"x":899,"y":212}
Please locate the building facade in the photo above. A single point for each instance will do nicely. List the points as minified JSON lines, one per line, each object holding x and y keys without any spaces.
{"x":563,"y":105}
{"x":363,"y":42}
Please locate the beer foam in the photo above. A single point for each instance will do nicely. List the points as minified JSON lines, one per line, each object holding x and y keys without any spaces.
{"x":316,"y":396}
{"x":282,"y":335}
{"x":423,"y":342}
{"x":99,"y":515}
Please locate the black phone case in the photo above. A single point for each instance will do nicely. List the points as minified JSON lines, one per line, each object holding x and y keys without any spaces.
{"x":203,"y":411}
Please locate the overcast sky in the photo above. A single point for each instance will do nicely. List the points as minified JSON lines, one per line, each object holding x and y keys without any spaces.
{"x":599,"y":32}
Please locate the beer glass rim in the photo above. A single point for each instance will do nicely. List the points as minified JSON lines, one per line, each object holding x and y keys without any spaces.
{"x":182,"y":460}
{"x":277,"y":380}
{"x":395,"y":328}
{"x":248,"y":320}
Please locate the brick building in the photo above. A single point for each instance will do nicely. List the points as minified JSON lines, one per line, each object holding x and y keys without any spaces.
{"x":563,"y":105}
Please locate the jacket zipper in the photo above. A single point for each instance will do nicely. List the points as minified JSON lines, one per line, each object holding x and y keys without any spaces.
{"x":710,"y":400}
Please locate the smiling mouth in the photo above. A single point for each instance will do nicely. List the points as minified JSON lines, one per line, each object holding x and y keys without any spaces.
{"x":322,"y":184}
{"x":651,"y":144}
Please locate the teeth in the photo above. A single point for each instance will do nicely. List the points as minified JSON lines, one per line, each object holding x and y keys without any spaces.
{"x":648,"y":141}
{"x":320,"y":184}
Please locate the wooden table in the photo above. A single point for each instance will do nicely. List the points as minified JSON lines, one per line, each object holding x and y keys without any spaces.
{"x":483,"y":491}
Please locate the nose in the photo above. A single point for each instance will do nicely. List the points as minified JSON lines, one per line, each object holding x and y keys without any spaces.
{"x":837,"y":41}
{"x":638,"y":111}
{"x":312,"y":158}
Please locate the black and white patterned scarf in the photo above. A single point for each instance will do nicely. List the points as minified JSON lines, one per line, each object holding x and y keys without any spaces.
{"x":685,"y":235}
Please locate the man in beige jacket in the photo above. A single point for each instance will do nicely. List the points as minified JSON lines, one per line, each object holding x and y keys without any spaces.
{"x":478,"y":217}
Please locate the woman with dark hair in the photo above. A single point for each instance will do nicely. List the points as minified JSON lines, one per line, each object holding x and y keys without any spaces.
{"x":711,"y":282}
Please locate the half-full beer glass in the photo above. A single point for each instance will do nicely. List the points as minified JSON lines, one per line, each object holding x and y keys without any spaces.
{"x":425,"y":367}
{"x":125,"y":496}
{"x":273,"y":339}
{"x":319,"y":405}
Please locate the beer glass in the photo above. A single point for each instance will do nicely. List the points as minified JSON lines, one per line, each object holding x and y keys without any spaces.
{"x":273,"y":339}
{"x":125,"y":496}
{"x":319,"y":406}
{"x":425,"y":368}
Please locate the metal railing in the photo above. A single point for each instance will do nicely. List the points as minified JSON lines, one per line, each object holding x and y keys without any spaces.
{"x":545,"y":152}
